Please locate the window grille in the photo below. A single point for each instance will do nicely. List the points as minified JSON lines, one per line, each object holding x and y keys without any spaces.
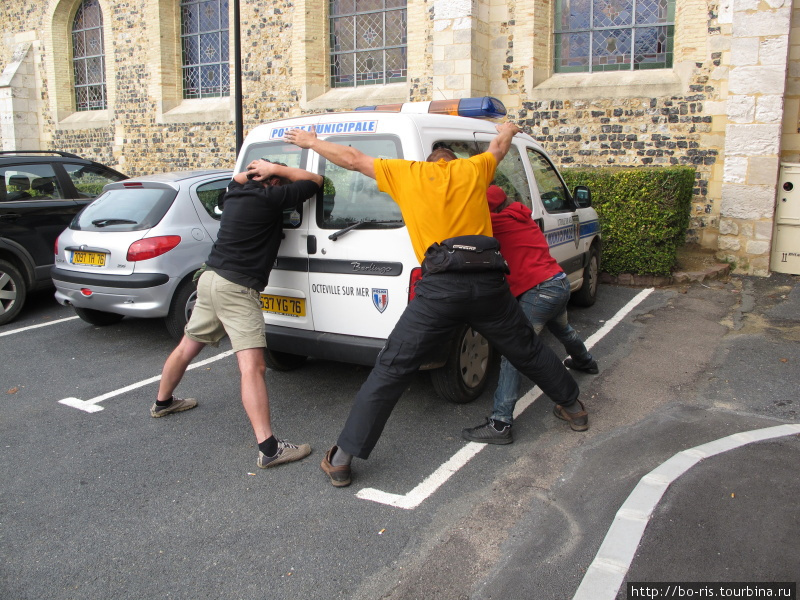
{"x":88,"y":57}
{"x":204,"y":40}
{"x":368,"y":40}
{"x":612,"y":35}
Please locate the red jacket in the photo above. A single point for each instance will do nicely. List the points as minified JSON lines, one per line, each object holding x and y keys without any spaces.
{"x":524,"y":247}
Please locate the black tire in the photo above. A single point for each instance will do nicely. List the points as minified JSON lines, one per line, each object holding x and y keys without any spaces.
{"x":283,"y":361}
{"x":587,"y":295}
{"x":98,"y":317}
{"x":467,"y":370}
{"x":180,"y":309}
{"x":13,"y":292}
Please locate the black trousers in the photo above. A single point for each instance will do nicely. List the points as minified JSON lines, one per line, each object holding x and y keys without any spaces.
{"x":443,"y":302}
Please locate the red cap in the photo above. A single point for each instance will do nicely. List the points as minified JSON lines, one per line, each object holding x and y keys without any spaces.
{"x":495,"y":196}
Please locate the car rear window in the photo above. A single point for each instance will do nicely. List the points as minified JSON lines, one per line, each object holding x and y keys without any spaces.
{"x":125,"y":209}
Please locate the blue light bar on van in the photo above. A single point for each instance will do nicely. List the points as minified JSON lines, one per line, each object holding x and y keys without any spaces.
{"x":483,"y":107}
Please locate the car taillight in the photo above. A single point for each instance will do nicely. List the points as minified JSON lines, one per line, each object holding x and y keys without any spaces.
{"x":152,"y":247}
{"x":416,"y":275}
{"x":55,"y":247}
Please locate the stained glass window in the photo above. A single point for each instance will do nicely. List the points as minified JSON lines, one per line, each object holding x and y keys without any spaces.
{"x":367,"y":42}
{"x":611,"y":35}
{"x":204,"y":40}
{"x":88,"y":57}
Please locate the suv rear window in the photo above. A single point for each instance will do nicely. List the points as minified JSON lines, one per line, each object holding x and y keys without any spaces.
{"x":29,"y":182}
{"x":125,"y":209}
{"x":90,"y":179}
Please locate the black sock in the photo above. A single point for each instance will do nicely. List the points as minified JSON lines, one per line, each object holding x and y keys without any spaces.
{"x":269,"y":446}
{"x":163,"y":403}
{"x":500,"y":425}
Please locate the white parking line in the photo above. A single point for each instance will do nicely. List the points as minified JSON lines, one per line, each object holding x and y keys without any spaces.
{"x":93,"y":405}
{"x":29,"y":327}
{"x":416,"y":496}
{"x":608,"y":569}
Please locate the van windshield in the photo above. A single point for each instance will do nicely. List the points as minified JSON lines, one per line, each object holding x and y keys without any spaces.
{"x":350,"y":197}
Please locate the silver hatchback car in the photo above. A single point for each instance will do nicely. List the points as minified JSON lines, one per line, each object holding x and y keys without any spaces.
{"x":133,"y":251}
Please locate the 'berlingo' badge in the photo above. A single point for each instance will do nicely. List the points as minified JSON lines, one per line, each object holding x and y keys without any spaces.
{"x":380,"y":298}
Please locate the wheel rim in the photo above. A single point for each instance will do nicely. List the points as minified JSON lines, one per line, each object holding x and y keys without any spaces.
{"x":473,"y":360}
{"x":8,"y":292}
{"x":190,"y":305}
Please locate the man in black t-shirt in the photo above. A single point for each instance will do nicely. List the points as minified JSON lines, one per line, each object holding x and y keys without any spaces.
{"x":228,"y":296}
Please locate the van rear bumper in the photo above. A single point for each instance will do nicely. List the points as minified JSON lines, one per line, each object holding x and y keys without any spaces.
{"x":332,"y":346}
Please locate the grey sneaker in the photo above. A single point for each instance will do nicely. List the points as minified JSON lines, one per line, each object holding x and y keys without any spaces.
{"x":287,"y":452}
{"x":487,"y":434}
{"x":591,"y":367}
{"x":178,"y":405}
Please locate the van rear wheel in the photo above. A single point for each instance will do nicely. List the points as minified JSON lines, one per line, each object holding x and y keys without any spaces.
{"x":283,"y":361}
{"x":466,"y":372}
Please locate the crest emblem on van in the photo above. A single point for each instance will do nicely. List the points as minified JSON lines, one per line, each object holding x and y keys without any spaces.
{"x":380,"y":298}
{"x":576,"y":229}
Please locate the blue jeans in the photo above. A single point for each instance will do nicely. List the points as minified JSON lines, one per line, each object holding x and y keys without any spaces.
{"x":543,"y":305}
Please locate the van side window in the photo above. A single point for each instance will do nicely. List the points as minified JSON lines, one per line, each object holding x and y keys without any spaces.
{"x":350,"y":197}
{"x":551,"y":190}
{"x":510,"y":175}
{"x":291,"y":156}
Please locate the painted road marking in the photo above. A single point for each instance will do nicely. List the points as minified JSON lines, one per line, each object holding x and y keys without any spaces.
{"x":93,"y":405}
{"x":29,"y":327}
{"x":432,"y":483}
{"x":608,"y":569}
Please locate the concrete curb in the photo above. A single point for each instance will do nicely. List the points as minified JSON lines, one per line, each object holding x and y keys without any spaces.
{"x":717,"y":271}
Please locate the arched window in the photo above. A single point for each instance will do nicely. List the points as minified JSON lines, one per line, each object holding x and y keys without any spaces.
{"x":88,"y":57}
{"x":368,"y":42}
{"x":204,"y":42}
{"x":613,"y":35}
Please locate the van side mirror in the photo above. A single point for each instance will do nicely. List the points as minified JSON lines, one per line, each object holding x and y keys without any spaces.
{"x":582,"y":196}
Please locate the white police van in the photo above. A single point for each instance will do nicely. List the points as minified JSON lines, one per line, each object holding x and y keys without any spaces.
{"x":345,"y":269}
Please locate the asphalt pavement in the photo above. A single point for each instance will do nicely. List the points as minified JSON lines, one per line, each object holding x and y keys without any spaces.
{"x":695,"y":496}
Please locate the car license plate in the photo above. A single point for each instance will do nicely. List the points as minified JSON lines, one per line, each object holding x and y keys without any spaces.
{"x":93,"y":259}
{"x":281,"y":305}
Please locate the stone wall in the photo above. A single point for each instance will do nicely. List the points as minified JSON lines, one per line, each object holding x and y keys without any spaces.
{"x":729,"y":106}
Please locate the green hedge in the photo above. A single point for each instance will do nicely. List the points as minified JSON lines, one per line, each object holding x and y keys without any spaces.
{"x":644,"y":214}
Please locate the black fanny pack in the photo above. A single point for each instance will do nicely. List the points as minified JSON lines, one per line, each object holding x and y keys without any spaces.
{"x":466,"y":254}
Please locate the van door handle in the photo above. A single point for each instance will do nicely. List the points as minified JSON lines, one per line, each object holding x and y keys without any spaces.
{"x":311,"y":244}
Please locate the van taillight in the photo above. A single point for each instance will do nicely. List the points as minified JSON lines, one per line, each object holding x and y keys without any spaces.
{"x":416,"y":275}
{"x":152,"y":247}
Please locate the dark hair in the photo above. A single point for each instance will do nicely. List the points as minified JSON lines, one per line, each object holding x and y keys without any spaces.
{"x":441,"y":153}
{"x":274,"y":179}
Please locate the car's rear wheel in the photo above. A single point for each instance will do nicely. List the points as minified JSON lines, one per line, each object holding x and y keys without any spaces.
{"x":283,"y":361}
{"x":466,"y":372}
{"x":98,"y":317}
{"x":587,"y":295}
{"x":181,"y":308}
{"x":12,"y":292}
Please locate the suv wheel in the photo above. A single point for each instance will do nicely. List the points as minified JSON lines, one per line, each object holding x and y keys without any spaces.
{"x":283,"y":361}
{"x":466,"y":372}
{"x":98,"y":317}
{"x":12,"y":292}
{"x":587,"y":295}
{"x":181,"y":308}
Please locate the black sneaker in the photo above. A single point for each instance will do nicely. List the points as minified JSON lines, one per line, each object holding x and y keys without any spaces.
{"x":591,"y":367}
{"x":487,"y":434}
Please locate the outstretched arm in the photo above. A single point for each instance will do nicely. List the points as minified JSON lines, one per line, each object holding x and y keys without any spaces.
{"x":343,"y":156}
{"x":501,"y":143}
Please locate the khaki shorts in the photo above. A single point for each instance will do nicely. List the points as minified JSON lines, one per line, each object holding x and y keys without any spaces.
{"x":224,"y":307}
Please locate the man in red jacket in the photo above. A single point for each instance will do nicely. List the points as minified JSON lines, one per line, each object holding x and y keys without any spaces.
{"x":542,"y":288}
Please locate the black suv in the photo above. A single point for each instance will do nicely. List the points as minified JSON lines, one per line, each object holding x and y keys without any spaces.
{"x":40,"y":193}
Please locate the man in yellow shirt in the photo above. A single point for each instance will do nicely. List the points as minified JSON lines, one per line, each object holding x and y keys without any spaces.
{"x":443,"y":202}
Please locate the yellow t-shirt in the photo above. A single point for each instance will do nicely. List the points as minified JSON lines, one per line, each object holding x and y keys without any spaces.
{"x":439,"y":200}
